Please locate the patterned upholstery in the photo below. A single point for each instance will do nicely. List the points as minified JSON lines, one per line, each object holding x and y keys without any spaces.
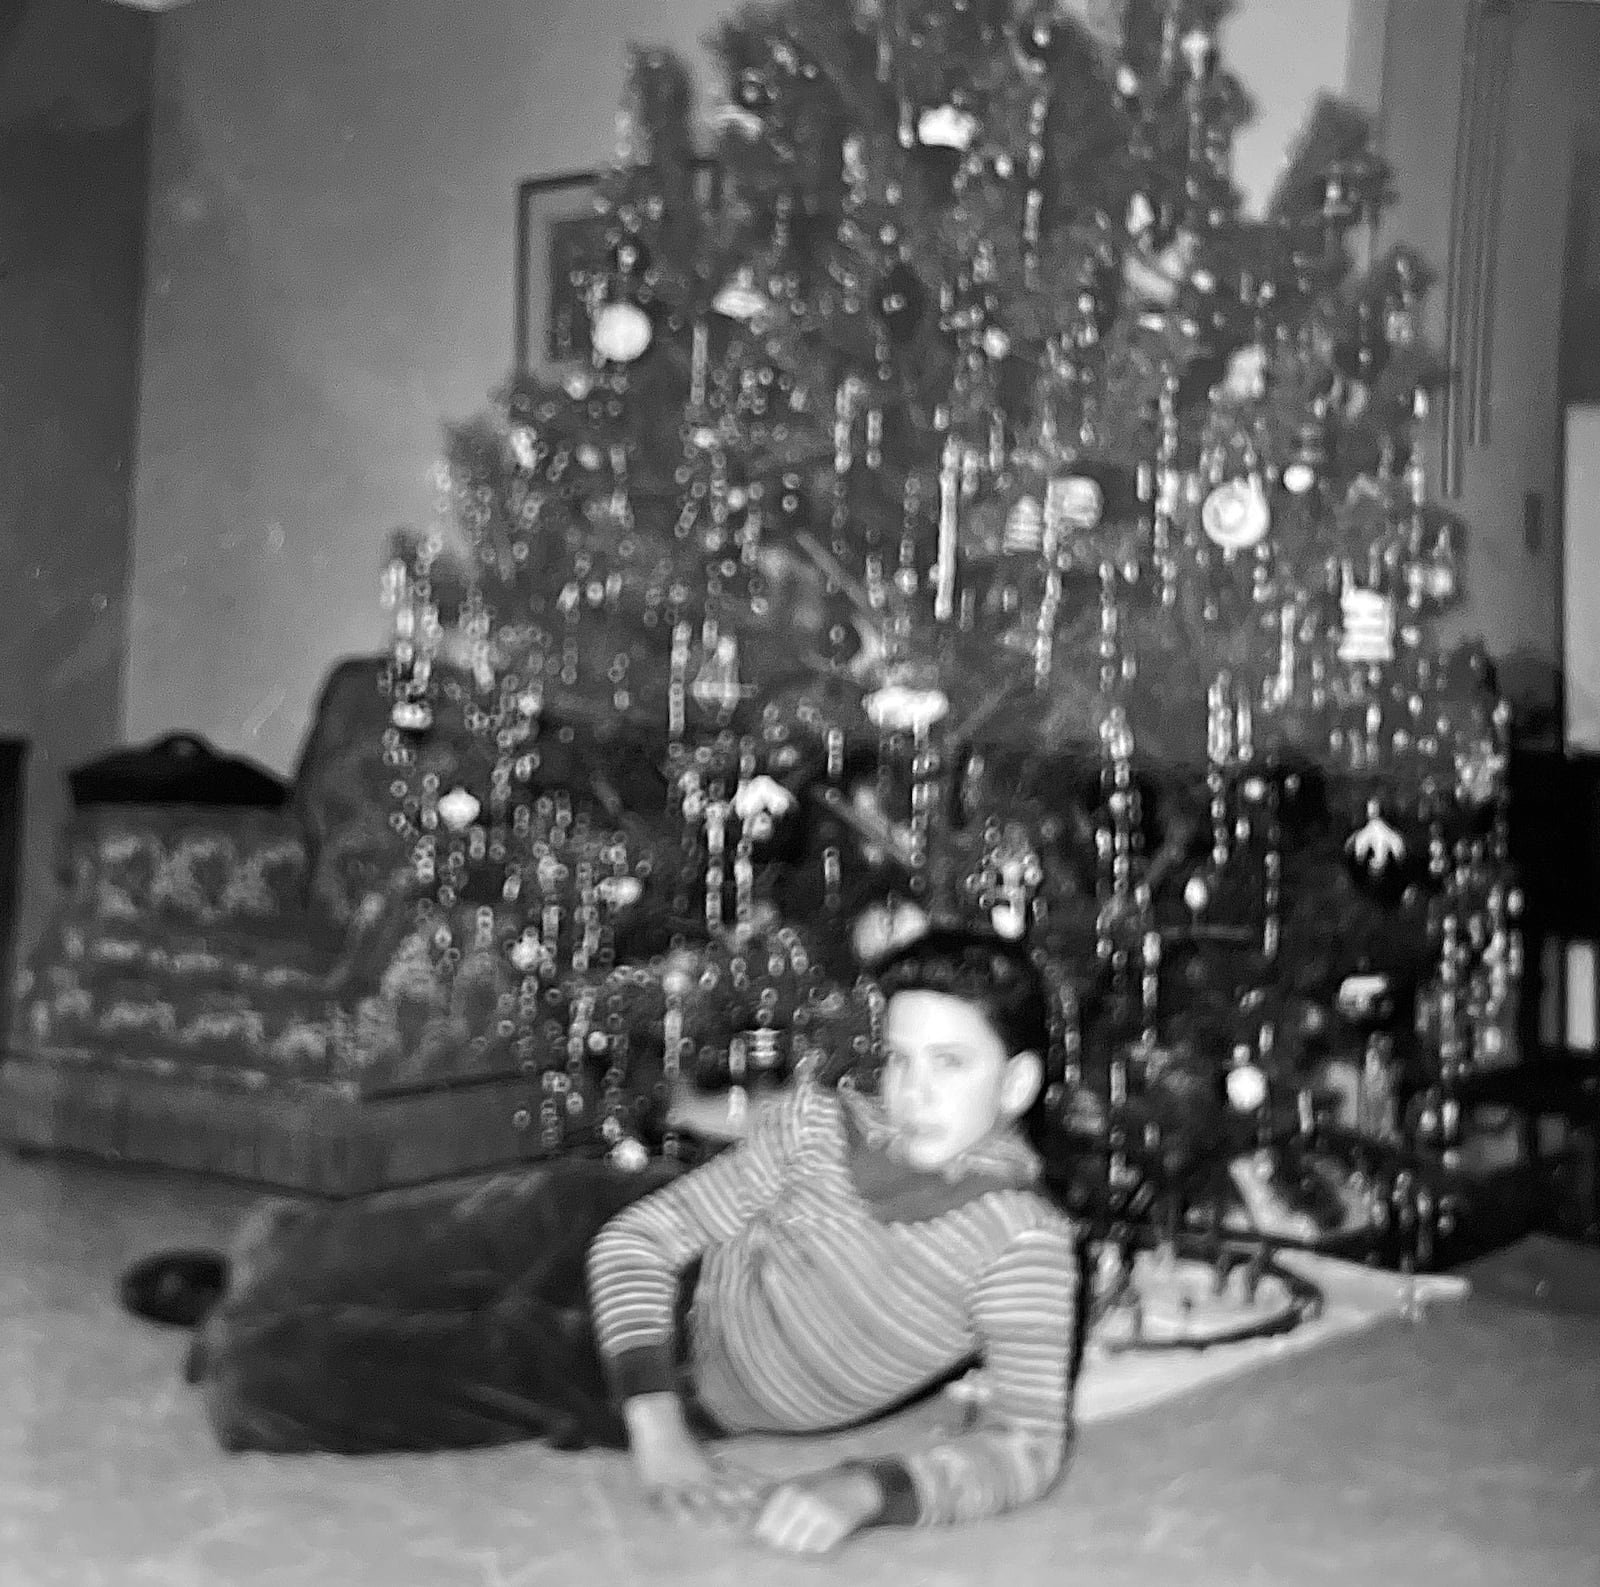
{"x":259,"y":948}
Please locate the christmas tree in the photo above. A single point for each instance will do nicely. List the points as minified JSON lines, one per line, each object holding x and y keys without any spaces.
{"x":962,"y":509}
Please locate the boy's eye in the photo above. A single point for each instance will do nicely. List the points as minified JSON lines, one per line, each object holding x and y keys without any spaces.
{"x":952,"y":1060}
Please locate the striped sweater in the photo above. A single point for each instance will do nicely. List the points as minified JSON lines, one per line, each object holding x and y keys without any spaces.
{"x":834,"y":1286}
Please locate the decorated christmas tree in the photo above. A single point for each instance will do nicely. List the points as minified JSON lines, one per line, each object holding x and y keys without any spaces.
{"x":961,"y":509}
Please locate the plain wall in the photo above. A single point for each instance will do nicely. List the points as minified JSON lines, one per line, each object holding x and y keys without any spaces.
{"x":1512,"y":587}
{"x":330,"y":280}
{"x":74,"y":101}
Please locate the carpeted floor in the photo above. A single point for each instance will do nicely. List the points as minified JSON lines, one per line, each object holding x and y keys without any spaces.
{"x":1464,"y":1449}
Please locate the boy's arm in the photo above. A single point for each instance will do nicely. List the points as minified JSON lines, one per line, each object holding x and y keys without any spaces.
{"x":1024,"y":1311}
{"x":634,"y":1262}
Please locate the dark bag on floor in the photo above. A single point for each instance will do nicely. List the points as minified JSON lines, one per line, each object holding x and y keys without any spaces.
{"x":181,"y":769}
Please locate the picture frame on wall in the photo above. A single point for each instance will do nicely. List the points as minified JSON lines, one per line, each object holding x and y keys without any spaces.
{"x":557,"y":231}
{"x":559,"y":234}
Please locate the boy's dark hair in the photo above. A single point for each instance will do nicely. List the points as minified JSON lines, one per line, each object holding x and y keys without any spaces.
{"x":1004,"y":981}
{"x":994,"y":975}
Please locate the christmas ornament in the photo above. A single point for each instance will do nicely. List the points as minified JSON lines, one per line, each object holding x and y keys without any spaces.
{"x":717,"y":686}
{"x":947,"y":127}
{"x":904,"y":708}
{"x":1247,"y":1087}
{"x":411,"y":716}
{"x":1156,"y":279}
{"x":1365,"y":998}
{"x":760,"y":802}
{"x":1246,"y":379}
{"x":523,"y":448}
{"x":619,"y":892}
{"x":630,"y":1155}
{"x":741,"y":300}
{"x":883,"y":928}
{"x":1298,"y":478}
{"x":901,"y":302}
{"x":1377,"y":856}
{"x":1073,"y":502}
{"x":621,"y":332}
{"x":1236,"y":514}
{"x":1024,"y":532}
{"x":1369,"y":625}
{"x":458,"y":809}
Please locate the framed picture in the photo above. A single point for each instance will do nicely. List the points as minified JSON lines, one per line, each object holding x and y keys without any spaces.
{"x":558,"y":231}
{"x":559,"y":235}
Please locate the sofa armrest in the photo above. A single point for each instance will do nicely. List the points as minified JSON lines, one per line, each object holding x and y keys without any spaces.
{"x":184,"y":865}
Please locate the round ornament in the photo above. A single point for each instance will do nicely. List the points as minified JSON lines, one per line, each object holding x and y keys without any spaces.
{"x":458,"y":809}
{"x":1298,"y":478}
{"x":619,"y":892}
{"x":1196,"y":894}
{"x":996,"y":343}
{"x":621,"y":332}
{"x":526,"y":954}
{"x":1236,"y":515}
{"x":1247,"y":1087}
{"x":1074,"y":502}
{"x":1009,"y":921}
{"x":630,"y":1155}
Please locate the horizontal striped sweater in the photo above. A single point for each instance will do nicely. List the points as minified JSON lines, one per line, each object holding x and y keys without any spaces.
{"x":835,"y":1285}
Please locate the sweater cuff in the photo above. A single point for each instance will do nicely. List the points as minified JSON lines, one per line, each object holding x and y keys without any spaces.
{"x":644,"y":1369}
{"x":900,"y":1506}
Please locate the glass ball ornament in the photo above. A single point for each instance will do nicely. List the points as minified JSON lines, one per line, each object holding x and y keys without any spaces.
{"x":1074,"y":501}
{"x":1236,"y":514}
{"x":1246,"y":1085}
{"x":621,"y":332}
{"x":1298,"y":478}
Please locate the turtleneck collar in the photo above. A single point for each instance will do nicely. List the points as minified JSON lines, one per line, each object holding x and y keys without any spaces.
{"x":898,"y":1192}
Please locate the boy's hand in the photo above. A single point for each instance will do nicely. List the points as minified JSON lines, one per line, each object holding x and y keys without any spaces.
{"x":811,"y":1515}
{"x":675,"y":1470}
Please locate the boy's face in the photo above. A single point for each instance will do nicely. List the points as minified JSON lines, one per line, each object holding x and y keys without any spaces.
{"x":948,"y":1081}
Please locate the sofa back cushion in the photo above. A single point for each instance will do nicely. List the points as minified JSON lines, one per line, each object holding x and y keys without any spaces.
{"x":344,"y":789}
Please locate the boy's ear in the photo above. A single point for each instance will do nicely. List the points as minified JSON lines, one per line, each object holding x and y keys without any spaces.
{"x":1021,"y":1083}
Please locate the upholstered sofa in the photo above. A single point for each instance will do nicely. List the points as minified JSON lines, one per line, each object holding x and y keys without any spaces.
{"x":253,"y":992}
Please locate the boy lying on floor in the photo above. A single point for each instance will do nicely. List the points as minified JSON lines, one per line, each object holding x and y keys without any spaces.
{"x":846,"y":1256}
